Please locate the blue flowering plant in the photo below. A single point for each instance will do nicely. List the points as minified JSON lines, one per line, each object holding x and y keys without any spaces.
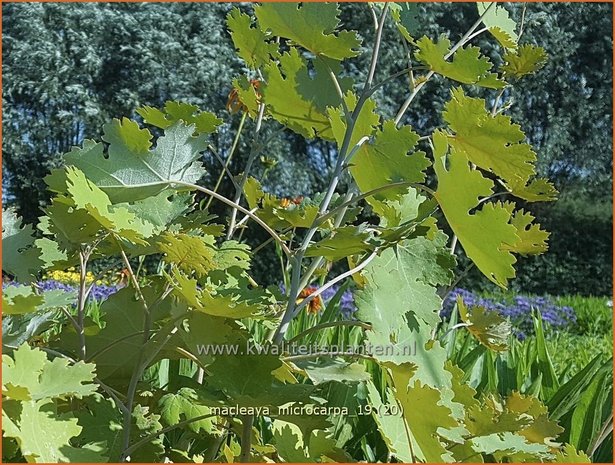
{"x":517,"y":308}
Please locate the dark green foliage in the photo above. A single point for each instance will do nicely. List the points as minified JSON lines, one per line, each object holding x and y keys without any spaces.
{"x":580,"y":250}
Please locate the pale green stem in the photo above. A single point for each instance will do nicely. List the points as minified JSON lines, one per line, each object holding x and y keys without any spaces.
{"x":228,"y":159}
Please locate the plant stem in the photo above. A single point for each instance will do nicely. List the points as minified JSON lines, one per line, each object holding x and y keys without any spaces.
{"x":297,"y":258}
{"x":254,"y":151}
{"x":228,"y":159}
{"x":305,"y":280}
{"x":236,"y":206}
{"x":142,"y":364}
{"x":464,"y":39}
{"x":334,"y":281}
{"x":81,"y":300}
{"x":147,"y":321}
{"x":71,"y":319}
{"x":376,"y":50}
{"x":246,"y":438}
{"x":225,"y":169}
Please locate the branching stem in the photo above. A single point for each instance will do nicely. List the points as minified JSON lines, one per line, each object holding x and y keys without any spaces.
{"x":236,"y":206}
{"x":464,"y":39}
{"x":228,"y":158}
{"x":255,"y":149}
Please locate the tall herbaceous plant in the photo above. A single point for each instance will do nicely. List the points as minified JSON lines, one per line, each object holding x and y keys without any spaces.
{"x":193,"y":360}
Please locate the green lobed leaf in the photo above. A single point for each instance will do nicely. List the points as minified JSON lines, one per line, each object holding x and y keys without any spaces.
{"x":467,"y":66}
{"x":188,"y":253}
{"x":423,"y":413}
{"x":510,"y":445}
{"x":29,"y":375}
{"x":489,"y":328}
{"x":298,"y":98}
{"x":532,"y":239}
{"x":406,"y":17}
{"x":201,"y":329}
{"x":280,"y":213}
{"x":235,"y":300}
{"x":160,"y":210}
{"x":492,"y":143}
{"x":204,"y":122}
{"x":22,"y":299}
{"x":344,"y":241}
{"x":365,"y":123}
{"x":526,"y":59}
{"x":401,"y":287}
{"x":288,"y":441}
{"x":569,"y":454}
{"x":250,"y":42}
{"x":17,"y":329}
{"x":499,"y":23}
{"x":20,"y":257}
{"x":183,"y":405}
{"x":127,"y":174}
{"x":311,"y":25}
{"x":83,"y":195}
{"x":392,"y":427}
{"x":388,"y":159}
{"x":537,"y":190}
{"x":101,"y":422}
{"x":484,"y":234}
{"x":246,"y":95}
{"x":44,"y":436}
{"x":32,"y":381}
{"x":146,"y":423}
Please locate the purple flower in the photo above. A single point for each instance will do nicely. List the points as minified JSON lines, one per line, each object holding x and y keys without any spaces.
{"x":99,"y":292}
{"x":518,"y":309}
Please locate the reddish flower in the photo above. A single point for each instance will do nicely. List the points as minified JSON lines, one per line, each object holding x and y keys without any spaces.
{"x":315,"y":304}
{"x":233,"y":104}
{"x":285,"y":203}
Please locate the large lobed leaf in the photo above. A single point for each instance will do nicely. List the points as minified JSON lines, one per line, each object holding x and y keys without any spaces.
{"x":130,"y":170}
{"x":492,"y":143}
{"x":30,"y":384}
{"x":311,"y":25}
{"x":467,"y":65}
{"x":390,"y":158}
{"x":484,"y":234}
{"x":250,"y":42}
{"x":499,"y":23}
{"x":20,"y":257}
{"x":298,"y":98}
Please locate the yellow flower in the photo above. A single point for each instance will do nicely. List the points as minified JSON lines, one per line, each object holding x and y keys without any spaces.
{"x":69,"y":276}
